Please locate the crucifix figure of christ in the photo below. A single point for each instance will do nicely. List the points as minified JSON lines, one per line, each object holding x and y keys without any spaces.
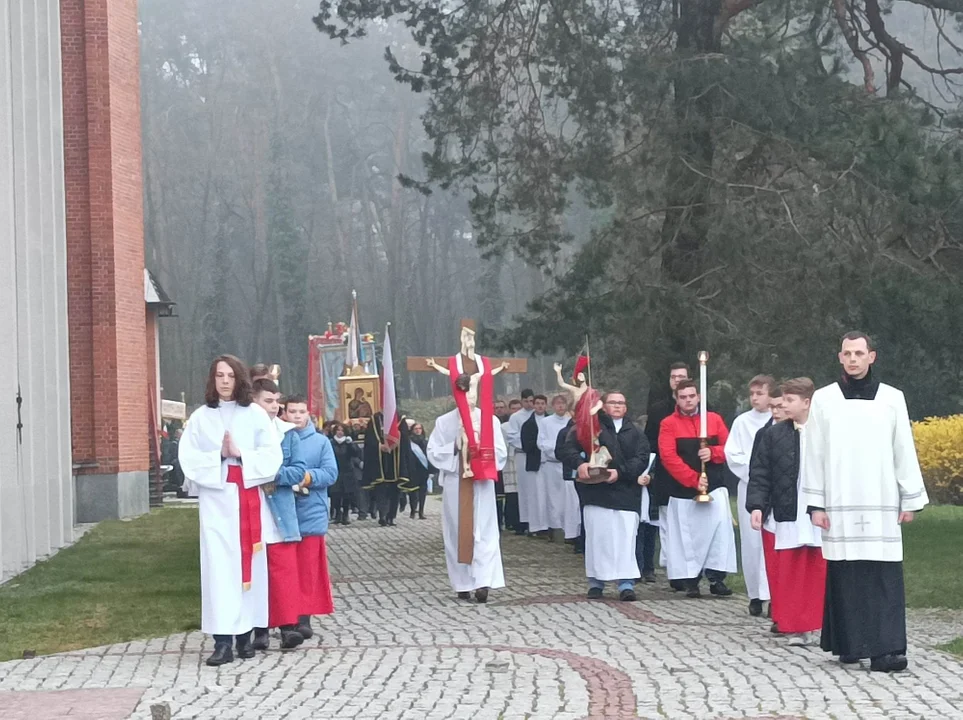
{"x":467,"y":374}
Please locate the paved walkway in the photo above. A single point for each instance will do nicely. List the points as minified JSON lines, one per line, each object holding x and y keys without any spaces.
{"x":401,"y":646}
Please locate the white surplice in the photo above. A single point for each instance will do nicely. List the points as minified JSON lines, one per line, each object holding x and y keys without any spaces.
{"x":610,"y":544}
{"x":700,"y":536}
{"x":508,"y":473}
{"x":551,"y":478}
{"x":485,"y":569}
{"x":738,"y":451}
{"x":226,"y":608}
{"x":860,"y":465}
{"x":800,"y":532}
{"x":572,"y":515}
{"x":524,"y":479}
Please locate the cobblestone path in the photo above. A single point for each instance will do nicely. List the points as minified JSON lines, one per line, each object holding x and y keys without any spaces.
{"x":400,"y":646}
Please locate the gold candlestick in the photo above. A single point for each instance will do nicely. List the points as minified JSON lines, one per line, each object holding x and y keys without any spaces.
{"x":703,"y":497}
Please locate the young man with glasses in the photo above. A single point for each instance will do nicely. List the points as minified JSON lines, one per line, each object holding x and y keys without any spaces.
{"x":611,"y":507}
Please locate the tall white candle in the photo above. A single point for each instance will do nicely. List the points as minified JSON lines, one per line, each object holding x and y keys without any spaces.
{"x":702,"y":399}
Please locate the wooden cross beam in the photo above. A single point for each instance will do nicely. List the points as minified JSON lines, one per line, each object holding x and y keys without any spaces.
{"x":420,"y":364}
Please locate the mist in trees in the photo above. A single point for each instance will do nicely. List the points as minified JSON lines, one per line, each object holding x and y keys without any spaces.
{"x":272,"y":160}
{"x":750,"y":176}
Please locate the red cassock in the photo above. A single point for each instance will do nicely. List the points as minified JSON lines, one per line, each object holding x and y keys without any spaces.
{"x":313,"y":577}
{"x":797,"y":584}
{"x":284,"y":589}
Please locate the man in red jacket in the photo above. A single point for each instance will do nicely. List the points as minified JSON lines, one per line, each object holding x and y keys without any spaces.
{"x":700,"y":536}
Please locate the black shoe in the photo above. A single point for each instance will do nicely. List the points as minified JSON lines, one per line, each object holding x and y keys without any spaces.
{"x":221,"y":656}
{"x":774,"y":629}
{"x":755,"y":608}
{"x":677,"y":585}
{"x":421,"y":516}
{"x":627,"y":596}
{"x":412,"y":514}
{"x":720,"y":589}
{"x":262,"y":639}
{"x":769,"y":610}
{"x":888,"y":663}
{"x":345,"y":520}
{"x":481,"y":595}
{"x":383,"y":523}
{"x":391,"y":523}
{"x":464,"y":595}
{"x":291,"y":637}
{"x":337,"y":518}
{"x":519,"y":532}
{"x":304,"y":627}
{"x":692,"y":588}
{"x":848,"y":659}
{"x":245,"y":648}
{"x":595,"y":593}
{"x":362,"y":516}
{"x":649,"y":577}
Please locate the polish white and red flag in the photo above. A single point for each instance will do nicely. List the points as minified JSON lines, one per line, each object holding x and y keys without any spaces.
{"x":389,"y":401}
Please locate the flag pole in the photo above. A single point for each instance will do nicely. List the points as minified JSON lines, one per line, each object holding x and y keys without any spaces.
{"x":588,"y":356}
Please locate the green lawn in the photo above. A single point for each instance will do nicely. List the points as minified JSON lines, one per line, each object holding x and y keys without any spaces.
{"x":955,"y":647}
{"x":122,"y":581}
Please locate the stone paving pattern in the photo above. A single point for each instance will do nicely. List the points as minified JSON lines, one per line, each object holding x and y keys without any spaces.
{"x":400,"y":646}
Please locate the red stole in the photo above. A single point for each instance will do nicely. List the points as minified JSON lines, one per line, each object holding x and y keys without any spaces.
{"x":249,"y":503}
{"x":481,"y":452}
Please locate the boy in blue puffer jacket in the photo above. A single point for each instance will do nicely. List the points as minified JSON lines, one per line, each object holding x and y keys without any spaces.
{"x":283,"y":602}
{"x":311,"y":503}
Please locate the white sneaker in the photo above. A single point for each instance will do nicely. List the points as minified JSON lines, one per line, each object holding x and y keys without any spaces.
{"x":805,"y":639}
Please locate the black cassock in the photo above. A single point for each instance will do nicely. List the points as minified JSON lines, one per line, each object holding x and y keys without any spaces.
{"x":383,"y":470}
{"x":865,"y":612}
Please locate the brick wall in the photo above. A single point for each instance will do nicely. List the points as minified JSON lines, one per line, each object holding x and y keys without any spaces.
{"x":105,"y":235}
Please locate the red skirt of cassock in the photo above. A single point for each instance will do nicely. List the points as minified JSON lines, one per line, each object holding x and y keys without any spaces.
{"x":316,"y":597}
{"x":797,"y":584}
{"x":284,"y":588}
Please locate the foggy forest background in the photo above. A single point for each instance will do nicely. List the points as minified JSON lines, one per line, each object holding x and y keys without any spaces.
{"x":753,"y":177}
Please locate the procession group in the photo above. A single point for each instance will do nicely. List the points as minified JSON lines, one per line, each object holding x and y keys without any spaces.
{"x":268,"y":484}
{"x":826,"y":478}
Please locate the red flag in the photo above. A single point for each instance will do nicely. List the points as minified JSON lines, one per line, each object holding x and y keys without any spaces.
{"x":389,"y":402}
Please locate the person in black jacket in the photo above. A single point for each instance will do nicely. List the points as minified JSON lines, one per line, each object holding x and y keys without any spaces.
{"x":795,"y":566}
{"x":610,"y":508}
{"x":419,"y":468}
{"x":345,"y":489}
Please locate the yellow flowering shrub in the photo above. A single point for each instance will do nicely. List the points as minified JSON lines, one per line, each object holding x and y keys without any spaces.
{"x":939,"y":444}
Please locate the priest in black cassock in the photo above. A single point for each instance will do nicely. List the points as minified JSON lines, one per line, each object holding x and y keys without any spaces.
{"x":861,"y":480}
{"x":384,"y":468}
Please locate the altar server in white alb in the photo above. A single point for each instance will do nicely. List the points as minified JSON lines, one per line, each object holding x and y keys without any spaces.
{"x":485,"y":571}
{"x":560,"y":496}
{"x":861,"y":481}
{"x":228,"y":450}
{"x":738,"y":453}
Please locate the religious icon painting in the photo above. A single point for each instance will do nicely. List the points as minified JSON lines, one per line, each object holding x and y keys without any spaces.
{"x":360,"y":398}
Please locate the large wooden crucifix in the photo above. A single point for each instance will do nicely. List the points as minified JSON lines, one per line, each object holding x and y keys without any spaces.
{"x":466,"y":486}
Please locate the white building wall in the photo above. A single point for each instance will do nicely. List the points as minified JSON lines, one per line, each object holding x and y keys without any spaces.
{"x":36,"y":503}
